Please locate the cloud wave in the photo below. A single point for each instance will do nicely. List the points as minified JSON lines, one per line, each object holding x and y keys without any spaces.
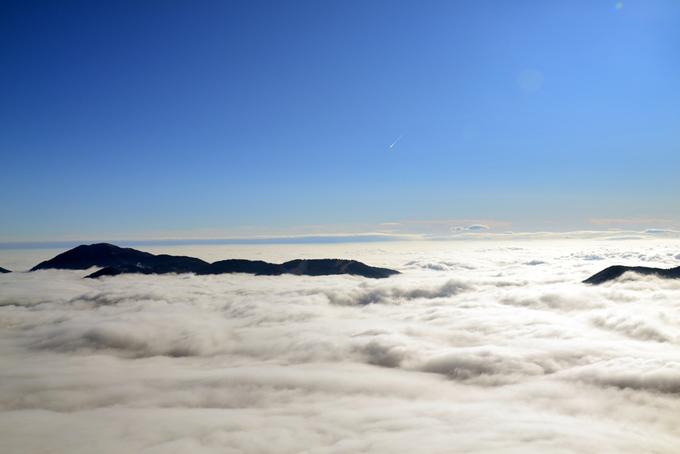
{"x":477,"y":347}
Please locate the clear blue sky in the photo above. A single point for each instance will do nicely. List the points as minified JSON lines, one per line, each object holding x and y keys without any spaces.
{"x":127,"y":118}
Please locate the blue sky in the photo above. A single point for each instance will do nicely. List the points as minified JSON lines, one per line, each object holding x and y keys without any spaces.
{"x":188,"y":119}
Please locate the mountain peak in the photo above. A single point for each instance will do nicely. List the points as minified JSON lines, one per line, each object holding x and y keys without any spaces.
{"x":616,"y":271}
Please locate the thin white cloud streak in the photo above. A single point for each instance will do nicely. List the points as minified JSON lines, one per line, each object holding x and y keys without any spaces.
{"x":476,"y":347}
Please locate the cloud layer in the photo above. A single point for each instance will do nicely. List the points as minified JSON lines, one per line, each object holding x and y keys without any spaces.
{"x":478,"y":347}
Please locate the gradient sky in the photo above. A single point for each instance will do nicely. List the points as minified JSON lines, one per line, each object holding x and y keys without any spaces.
{"x":130,"y":119}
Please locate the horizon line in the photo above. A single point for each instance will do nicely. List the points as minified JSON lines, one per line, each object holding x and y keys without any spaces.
{"x":338,"y":238}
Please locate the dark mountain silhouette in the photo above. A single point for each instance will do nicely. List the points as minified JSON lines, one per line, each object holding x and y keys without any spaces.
{"x":115,"y":260}
{"x":333,"y":266}
{"x":309,"y":267}
{"x":3,"y":270}
{"x":244,"y":266}
{"x":616,"y":271}
{"x":108,"y":255}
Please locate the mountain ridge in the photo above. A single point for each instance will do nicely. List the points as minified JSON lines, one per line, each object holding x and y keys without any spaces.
{"x":114,"y":260}
{"x":616,"y":271}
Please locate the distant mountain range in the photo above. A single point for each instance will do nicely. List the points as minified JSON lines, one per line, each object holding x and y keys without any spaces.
{"x":613,"y":272}
{"x":115,"y":260}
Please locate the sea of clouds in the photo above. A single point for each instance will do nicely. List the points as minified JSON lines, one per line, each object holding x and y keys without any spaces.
{"x":478,"y":346}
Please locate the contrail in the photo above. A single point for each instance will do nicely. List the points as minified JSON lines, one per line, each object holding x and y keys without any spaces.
{"x":395,"y":142}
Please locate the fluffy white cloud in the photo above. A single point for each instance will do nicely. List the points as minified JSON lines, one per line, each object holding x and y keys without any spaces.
{"x":474,"y":348}
{"x":471,"y":228}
